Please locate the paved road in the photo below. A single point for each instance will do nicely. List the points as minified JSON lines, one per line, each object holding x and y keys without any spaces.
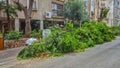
{"x":9,"y":56}
{"x":102,"y":56}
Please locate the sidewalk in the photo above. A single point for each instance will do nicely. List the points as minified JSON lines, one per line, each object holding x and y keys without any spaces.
{"x":9,"y":54}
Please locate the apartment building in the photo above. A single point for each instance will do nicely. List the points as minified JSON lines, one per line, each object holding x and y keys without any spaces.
{"x":44,"y":13}
{"x":116,"y":12}
{"x":113,"y":17}
{"x":92,"y":8}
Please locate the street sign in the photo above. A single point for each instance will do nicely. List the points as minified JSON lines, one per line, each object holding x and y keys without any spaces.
{"x":46,"y":32}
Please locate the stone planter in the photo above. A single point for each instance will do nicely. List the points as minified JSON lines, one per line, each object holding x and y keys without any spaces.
{"x":15,"y":43}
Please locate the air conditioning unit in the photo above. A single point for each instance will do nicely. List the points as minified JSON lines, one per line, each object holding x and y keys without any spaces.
{"x":48,"y":15}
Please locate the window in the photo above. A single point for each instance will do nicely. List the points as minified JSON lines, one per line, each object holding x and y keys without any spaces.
{"x":57,"y":9}
{"x":118,"y":14}
{"x":92,"y":2}
{"x":118,"y":4}
{"x":3,"y":1}
{"x":92,"y":7}
{"x":54,"y":6}
{"x":85,"y":3}
{"x":35,"y":4}
{"x":102,"y":5}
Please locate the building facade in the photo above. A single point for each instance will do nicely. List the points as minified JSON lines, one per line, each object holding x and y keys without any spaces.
{"x":94,"y":8}
{"x":113,"y":17}
{"x":49,"y":12}
{"x":44,"y":13}
{"x":116,"y":12}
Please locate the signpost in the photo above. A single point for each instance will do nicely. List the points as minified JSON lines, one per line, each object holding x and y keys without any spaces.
{"x":46,"y":32}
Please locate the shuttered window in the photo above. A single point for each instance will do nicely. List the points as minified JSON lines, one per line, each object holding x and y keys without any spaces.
{"x":35,"y":4}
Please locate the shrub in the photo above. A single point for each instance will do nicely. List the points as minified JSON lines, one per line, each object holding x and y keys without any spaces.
{"x":69,"y":26}
{"x":106,"y":33}
{"x":61,"y":41}
{"x":68,"y":43}
{"x":36,"y":34}
{"x":69,"y":39}
{"x":94,"y":33}
{"x":27,"y":53}
{"x":58,"y":42}
{"x":115,"y":30}
{"x":13,"y":35}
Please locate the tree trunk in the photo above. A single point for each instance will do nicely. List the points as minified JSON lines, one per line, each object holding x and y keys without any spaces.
{"x":27,"y":27}
{"x":96,"y":9}
{"x":89,"y":7}
{"x":27,"y":13}
{"x":8,"y":15}
{"x":3,"y":30}
{"x":28,"y":18}
{"x":11,"y":25}
{"x":80,"y":24}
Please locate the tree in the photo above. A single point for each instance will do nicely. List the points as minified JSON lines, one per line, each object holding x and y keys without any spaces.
{"x":10,"y":10}
{"x":89,"y":7}
{"x":2,"y":5}
{"x":104,"y":12}
{"x":27,"y":14}
{"x":96,"y":9}
{"x":75,"y":10}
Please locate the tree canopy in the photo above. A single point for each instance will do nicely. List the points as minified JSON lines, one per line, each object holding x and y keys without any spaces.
{"x":9,"y":8}
{"x":75,"y":10}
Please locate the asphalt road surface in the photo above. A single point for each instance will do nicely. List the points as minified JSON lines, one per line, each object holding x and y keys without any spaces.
{"x":106,"y":55}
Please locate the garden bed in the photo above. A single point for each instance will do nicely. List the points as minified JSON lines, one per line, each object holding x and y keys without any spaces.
{"x":15,"y":43}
